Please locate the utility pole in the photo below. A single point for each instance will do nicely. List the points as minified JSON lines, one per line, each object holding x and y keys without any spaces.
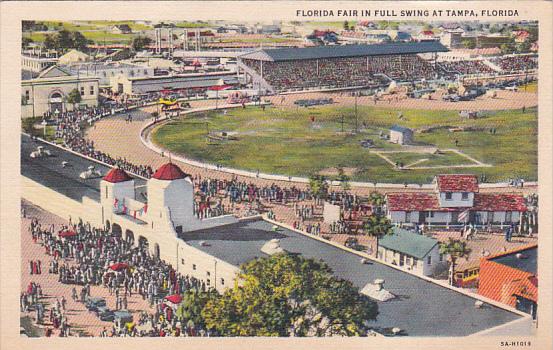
{"x":356,"y":119}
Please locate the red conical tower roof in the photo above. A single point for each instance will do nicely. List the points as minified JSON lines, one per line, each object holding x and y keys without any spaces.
{"x":116,"y":175}
{"x":169,"y":171}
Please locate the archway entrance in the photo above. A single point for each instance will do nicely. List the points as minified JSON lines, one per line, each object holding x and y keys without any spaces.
{"x":143,"y":243}
{"x":116,"y":230}
{"x":56,"y":103}
{"x":156,"y":251}
{"x":129,"y":237}
{"x":108,"y":226}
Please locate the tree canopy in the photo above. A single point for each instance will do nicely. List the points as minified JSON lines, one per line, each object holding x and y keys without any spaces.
{"x":286,"y":295}
{"x":64,"y":40}
{"x":140,"y":42}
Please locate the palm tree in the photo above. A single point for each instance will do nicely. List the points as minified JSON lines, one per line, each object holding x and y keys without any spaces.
{"x":455,"y":249}
{"x":318,"y":186}
{"x":378,"y":226}
{"x":377,"y":201}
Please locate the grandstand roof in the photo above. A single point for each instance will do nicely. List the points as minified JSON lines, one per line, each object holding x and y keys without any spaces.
{"x":286,"y":54}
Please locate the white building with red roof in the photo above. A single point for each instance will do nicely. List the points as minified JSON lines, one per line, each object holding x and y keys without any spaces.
{"x":456,"y":201}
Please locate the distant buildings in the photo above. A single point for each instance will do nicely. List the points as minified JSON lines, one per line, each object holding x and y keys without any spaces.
{"x":50,"y":90}
{"x":36,"y":61}
{"x":511,"y":278}
{"x":456,"y":201}
{"x":401,"y":135}
{"x":73,"y":56}
{"x":121,"y":29}
{"x":413,"y":252}
{"x":107,"y":70}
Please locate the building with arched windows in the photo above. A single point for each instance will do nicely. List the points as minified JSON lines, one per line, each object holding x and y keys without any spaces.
{"x":50,"y":90}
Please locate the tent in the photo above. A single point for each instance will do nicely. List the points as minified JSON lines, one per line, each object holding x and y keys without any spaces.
{"x":67,"y":234}
{"x":174,"y":299}
{"x":119,"y":266}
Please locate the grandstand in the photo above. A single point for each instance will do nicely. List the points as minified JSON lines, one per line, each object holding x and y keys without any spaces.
{"x":339,"y":67}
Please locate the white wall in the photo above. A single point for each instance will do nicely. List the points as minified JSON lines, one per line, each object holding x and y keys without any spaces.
{"x":456,"y":200}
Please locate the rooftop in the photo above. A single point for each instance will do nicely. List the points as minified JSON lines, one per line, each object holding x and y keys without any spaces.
{"x":457,"y":183}
{"x":408,"y":243}
{"x":169,"y":172}
{"x":339,"y":51}
{"x":527,"y":260}
{"x":416,"y":201}
{"x":400,"y":128}
{"x":418,"y":308}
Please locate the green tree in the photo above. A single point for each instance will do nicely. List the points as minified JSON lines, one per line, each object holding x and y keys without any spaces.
{"x":25,"y":42}
{"x":285,"y":295}
{"x":455,"y":249}
{"x":140,"y":42}
{"x":343,"y":179}
{"x":50,"y":42}
{"x":79,"y":41}
{"x":318,"y":186}
{"x":193,"y":302}
{"x":377,"y":201}
{"x":468,"y":44}
{"x":74,"y":97}
{"x":64,"y":39}
{"x":378,"y":226}
{"x":346,"y":25}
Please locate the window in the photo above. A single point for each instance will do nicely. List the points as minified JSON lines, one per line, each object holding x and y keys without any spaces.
{"x":415,"y":261}
{"x":145,"y":72}
{"x":208,"y":282}
{"x":429,"y":260}
{"x":441,"y":257}
{"x":208,"y":273}
{"x":222,"y":281}
{"x":82,"y":90}
{"x":465,"y":196}
{"x":193,"y":266}
{"x":448,"y":196}
{"x":92,"y":89}
{"x":182,"y":261}
{"x":27,"y":95}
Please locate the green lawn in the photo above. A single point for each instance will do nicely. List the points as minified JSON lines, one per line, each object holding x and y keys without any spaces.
{"x":287,"y":142}
{"x":444,"y":158}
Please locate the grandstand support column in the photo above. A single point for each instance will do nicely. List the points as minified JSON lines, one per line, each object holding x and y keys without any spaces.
{"x":185,"y":40}
{"x":317,"y":67}
{"x":261,"y":70}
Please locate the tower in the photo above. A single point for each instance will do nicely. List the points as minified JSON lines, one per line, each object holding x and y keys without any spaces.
{"x":171,"y":193}
{"x":117,"y":184}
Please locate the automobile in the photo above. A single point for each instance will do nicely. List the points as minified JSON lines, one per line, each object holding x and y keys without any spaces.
{"x":105,"y":314}
{"x":92,"y":304}
{"x":40,"y":152}
{"x":511,"y":88}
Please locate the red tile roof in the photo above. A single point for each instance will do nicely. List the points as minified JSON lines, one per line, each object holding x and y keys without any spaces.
{"x":169,"y":171}
{"x":499,"y":202}
{"x":116,"y":175}
{"x":415,"y":202}
{"x":457,"y":183}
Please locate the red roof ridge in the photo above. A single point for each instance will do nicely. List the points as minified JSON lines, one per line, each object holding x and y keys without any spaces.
{"x":116,"y":175}
{"x":169,"y":171}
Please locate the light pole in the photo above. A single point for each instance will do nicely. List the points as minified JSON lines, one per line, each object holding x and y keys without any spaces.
{"x":218,"y":86}
{"x":44,"y":123}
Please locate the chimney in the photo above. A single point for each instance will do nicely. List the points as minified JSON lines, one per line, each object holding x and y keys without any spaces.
{"x":379,"y":283}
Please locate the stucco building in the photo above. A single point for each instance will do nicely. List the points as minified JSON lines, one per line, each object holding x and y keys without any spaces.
{"x":456,"y":201}
{"x":50,"y":90}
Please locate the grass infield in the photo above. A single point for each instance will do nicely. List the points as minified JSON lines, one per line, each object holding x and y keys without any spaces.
{"x":301,"y":142}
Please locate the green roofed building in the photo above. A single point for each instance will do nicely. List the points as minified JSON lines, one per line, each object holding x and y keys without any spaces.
{"x":413,"y":252}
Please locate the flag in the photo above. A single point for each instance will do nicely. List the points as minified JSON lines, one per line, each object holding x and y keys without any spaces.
{"x":146,"y":207}
{"x":464,"y":215}
{"x":115,"y":202}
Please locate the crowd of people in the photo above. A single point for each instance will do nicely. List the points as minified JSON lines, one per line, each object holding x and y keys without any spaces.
{"x":94,"y":256}
{"x":343,"y":72}
{"x":465,"y":67}
{"x":516,"y":63}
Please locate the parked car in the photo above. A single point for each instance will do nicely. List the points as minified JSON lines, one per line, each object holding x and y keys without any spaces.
{"x":92,"y":304}
{"x":105,"y":314}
